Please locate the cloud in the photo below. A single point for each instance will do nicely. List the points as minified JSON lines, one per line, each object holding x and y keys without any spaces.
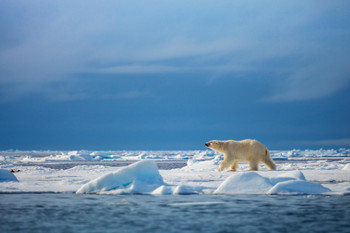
{"x":137,"y":69}
{"x":126,"y":95}
{"x":317,"y":80}
{"x":47,"y":46}
{"x":79,"y":95}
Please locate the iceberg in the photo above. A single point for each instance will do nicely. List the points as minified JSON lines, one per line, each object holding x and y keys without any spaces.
{"x":7,"y":176}
{"x":163,"y":190}
{"x":76,"y":155}
{"x":298,"y":187}
{"x":252,"y":183}
{"x":244,"y":183}
{"x":140,"y":177}
{"x":292,"y":175}
{"x":175,"y":190}
{"x":346,"y":167}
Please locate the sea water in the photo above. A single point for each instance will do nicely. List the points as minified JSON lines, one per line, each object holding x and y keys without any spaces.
{"x":68,"y":212}
{"x":64,"y":211}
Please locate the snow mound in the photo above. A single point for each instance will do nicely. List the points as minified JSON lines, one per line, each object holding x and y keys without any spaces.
{"x":298,"y":187}
{"x":6,"y":176}
{"x":140,"y":177}
{"x":253,"y":183}
{"x":244,"y":183}
{"x":346,"y":167}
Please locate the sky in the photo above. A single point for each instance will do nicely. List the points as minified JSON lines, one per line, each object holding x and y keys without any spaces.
{"x":171,"y":75}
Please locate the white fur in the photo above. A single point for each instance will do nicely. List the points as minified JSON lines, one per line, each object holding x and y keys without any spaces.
{"x":247,"y":150}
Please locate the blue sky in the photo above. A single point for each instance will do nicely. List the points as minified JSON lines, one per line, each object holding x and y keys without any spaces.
{"x":114,"y":75}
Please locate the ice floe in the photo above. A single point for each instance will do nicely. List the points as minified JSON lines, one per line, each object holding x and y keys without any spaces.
{"x":6,"y":176}
{"x":298,"y":187}
{"x":143,"y":177}
{"x":175,"y":190}
{"x":253,"y":183}
{"x":140,"y":177}
{"x":244,"y":183}
{"x":346,"y":167}
{"x":15,"y":156}
{"x":298,"y":172}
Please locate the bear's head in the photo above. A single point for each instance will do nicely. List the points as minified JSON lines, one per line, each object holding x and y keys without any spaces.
{"x":216,"y":145}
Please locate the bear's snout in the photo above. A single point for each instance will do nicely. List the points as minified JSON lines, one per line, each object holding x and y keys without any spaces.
{"x":207,"y":144}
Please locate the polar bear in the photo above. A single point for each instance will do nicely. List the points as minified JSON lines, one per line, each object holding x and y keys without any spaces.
{"x":247,"y":150}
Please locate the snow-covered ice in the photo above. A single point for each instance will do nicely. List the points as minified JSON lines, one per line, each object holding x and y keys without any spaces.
{"x":298,"y":187}
{"x":347,"y":167}
{"x":298,"y":172}
{"x":244,"y":183}
{"x":285,"y":183}
{"x":140,"y":177}
{"x":7,"y":176}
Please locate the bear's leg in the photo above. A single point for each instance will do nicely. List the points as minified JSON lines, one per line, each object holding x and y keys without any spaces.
{"x":268,"y":161}
{"x":223,"y":165}
{"x":269,"y":164}
{"x":234,"y":166}
{"x":254,"y":165}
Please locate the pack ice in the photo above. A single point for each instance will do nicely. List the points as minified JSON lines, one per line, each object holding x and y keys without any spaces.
{"x":299,"y":172}
{"x":143,"y":177}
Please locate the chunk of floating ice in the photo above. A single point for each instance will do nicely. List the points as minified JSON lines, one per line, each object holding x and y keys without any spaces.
{"x":199,"y":165}
{"x":244,"y":183}
{"x":346,"y":167}
{"x":292,"y":175}
{"x":253,"y":183}
{"x":183,"y":189}
{"x":76,"y":155}
{"x":298,"y":187}
{"x":197,"y":203}
{"x":163,"y":190}
{"x":140,"y":177}
{"x":6,"y":176}
{"x":176,"y":190}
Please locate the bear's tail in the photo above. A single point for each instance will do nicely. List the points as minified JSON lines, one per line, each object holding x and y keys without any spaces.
{"x":268,"y":161}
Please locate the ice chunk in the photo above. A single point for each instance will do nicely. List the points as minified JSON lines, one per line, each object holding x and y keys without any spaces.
{"x":298,"y":175}
{"x":140,"y":177}
{"x":206,"y":165}
{"x":183,"y":189}
{"x":76,"y":155}
{"x":253,"y":183}
{"x":176,"y":190}
{"x":6,"y":176}
{"x":298,"y":187}
{"x":244,"y":183}
{"x":292,"y":175}
{"x":346,"y":167}
{"x":163,"y":190}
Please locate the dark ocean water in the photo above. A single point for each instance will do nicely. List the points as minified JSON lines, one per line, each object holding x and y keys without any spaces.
{"x":67,"y":212}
